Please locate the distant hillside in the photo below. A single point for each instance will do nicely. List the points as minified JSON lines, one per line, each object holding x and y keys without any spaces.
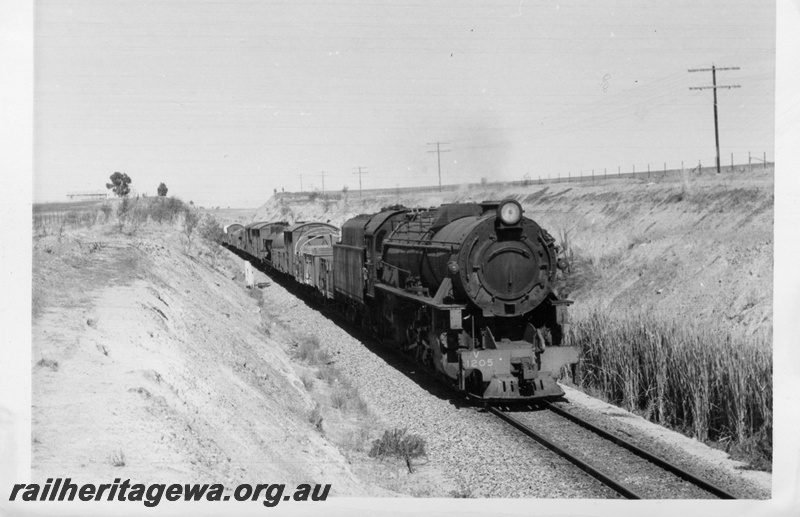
{"x":682,"y":245}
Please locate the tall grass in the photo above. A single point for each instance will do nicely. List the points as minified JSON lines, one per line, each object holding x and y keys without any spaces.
{"x":709,"y":382}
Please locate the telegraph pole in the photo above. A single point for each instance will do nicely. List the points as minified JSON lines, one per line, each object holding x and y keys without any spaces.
{"x":323,"y":181}
{"x":360,"y":172}
{"x":714,"y":87}
{"x":439,"y":152}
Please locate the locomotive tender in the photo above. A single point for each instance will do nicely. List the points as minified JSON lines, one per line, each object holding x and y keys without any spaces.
{"x":468,"y":289}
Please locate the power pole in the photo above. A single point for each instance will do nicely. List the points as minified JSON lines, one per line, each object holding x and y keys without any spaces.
{"x":714,"y":87}
{"x":439,"y":152}
{"x":360,"y":172}
{"x":323,"y":181}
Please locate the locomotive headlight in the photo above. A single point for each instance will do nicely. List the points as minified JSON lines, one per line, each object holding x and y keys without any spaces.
{"x":510,"y":212}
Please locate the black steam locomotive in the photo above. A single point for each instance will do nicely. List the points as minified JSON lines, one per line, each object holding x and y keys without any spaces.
{"x":468,"y":288}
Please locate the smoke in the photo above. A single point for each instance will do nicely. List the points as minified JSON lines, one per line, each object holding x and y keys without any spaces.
{"x":480,"y":151}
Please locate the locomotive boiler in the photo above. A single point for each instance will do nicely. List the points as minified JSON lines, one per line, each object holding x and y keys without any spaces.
{"x":469,"y":289}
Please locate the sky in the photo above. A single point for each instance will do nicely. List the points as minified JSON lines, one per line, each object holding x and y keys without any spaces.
{"x":227,"y":101}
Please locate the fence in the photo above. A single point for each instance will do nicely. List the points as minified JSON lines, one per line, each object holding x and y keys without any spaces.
{"x":649,"y":171}
{"x":51,"y":223}
{"x":654,"y":170}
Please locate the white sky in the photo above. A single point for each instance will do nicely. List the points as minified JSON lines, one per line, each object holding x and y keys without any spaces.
{"x":226,"y":100}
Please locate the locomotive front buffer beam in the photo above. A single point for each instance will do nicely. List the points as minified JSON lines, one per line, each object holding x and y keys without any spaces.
{"x":510,"y":373}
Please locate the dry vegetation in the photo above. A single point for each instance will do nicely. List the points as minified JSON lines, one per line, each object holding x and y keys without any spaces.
{"x":710,"y":383}
{"x":339,"y":411}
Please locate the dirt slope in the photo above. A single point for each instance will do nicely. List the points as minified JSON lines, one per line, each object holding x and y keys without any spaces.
{"x":152,"y":365}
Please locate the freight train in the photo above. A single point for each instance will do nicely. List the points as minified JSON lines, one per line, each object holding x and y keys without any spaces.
{"x":468,"y":288}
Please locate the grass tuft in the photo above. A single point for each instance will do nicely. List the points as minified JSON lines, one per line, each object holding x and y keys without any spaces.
{"x":117,"y":459}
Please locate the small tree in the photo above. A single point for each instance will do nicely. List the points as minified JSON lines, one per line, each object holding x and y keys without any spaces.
{"x":162,"y":190}
{"x":123,"y":212}
{"x":190,"y":220}
{"x":120,"y":184}
{"x":212,"y":234}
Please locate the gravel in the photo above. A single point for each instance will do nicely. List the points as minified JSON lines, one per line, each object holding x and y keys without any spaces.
{"x":484,"y":456}
{"x":616,"y":422}
{"x":637,"y":474}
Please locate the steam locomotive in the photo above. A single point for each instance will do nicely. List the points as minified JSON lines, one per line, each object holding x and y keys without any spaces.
{"x":468,"y":289}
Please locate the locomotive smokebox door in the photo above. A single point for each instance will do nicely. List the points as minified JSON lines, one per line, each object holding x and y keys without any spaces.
{"x":455,"y":319}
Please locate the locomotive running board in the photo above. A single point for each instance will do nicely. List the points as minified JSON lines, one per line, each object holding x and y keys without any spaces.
{"x":417,"y":298}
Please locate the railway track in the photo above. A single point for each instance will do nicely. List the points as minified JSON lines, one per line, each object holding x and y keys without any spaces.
{"x":525,"y":421}
{"x":570,"y":453}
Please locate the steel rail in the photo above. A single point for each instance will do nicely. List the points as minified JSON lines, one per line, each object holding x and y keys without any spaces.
{"x":592,"y":471}
{"x":664,"y":464}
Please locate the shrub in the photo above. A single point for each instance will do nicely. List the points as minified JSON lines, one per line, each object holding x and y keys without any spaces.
{"x":308,"y":350}
{"x":340,"y":396}
{"x":329,"y":374}
{"x":210,"y":230}
{"x":48,"y":363}
{"x":166,"y":209}
{"x":400,"y":444}
{"x":212,"y":234}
